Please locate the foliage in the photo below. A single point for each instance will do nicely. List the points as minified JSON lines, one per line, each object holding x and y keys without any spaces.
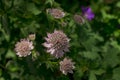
{"x":94,"y":45}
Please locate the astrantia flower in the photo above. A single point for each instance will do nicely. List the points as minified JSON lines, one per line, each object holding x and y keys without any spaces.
{"x":24,"y":47}
{"x":56,"y":13}
{"x":67,"y":66}
{"x":87,"y":12}
{"x":78,"y":19}
{"x":57,"y":43}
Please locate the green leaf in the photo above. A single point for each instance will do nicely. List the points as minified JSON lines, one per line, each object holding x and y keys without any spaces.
{"x":110,"y":54}
{"x":49,"y":2}
{"x":0,"y":26}
{"x":107,"y":16}
{"x":119,"y":21}
{"x":1,"y":78}
{"x":0,"y":72}
{"x":99,"y":71}
{"x":91,"y":41}
{"x":51,"y":65}
{"x":79,"y":72}
{"x":92,"y":76}
{"x":10,"y":54}
{"x":116,"y":74}
{"x":117,"y":33}
{"x":89,"y":55}
{"x":33,"y":9}
{"x":18,"y":2}
{"x":118,"y":4}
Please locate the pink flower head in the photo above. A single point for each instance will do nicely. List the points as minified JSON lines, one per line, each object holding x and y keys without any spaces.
{"x":79,"y":19}
{"x":57,"y":43}
{"x":66,"y":66}
{"x":56,"y":13}
{"x":87,"y":12}
{"x":23,"y":48}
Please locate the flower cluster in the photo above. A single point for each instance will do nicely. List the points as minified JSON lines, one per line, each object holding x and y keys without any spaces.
{"x":57,"y":43}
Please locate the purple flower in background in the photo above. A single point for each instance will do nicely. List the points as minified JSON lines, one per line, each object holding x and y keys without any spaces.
{"x":87,"y":12}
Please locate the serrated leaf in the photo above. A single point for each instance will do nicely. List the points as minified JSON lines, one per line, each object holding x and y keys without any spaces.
{"x":79,"y":72}
{"x":110,"y":54}
{"x":89,"y":55}
{"x":91,"y":41}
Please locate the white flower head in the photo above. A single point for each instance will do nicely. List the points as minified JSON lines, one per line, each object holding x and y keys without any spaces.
{"x":56,"y":13}
{"x":66,"y":66}
{"x":24,"y":47}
